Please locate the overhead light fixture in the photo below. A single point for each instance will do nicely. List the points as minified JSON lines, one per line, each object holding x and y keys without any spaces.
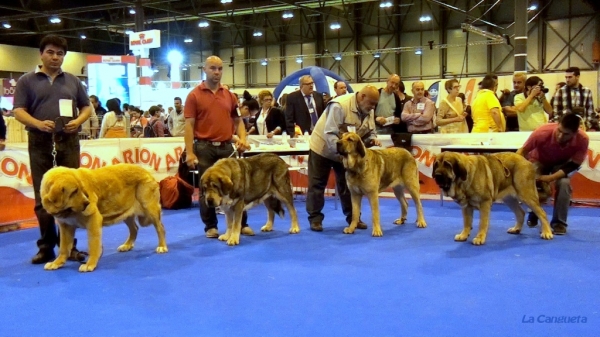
{"x":298,"y":60}
{"x":425,"y":18}
{"x":225,"y":1}
{"x":131,"y":11}
{"x":155,"y":71}
{"x":203,"y":24}
{"x":6,"y":25}
{"x":288,"y":15}
{"x":338,"y":57}
{"x":128,"y":31}
{"x":418,"y":51}
{"x":257,"y":33}
{"x":377,"y":55}
{"x":83,"y":37}
{"x":55,"y":19}
{"x":335,"y":25}
{"x":184,"y":68}
{"x":532,"y":8}
{"x":264,"y":62}
{"x":175,"y":57}
{"x":385,"y":4}
{"x":188,"y":40}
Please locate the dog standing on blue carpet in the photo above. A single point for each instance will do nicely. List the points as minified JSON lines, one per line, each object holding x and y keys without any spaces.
{"x":369,"y":172}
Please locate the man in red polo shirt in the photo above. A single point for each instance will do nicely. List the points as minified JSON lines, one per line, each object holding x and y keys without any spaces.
{"x":211,"y":118}
{"x":557,"y":151}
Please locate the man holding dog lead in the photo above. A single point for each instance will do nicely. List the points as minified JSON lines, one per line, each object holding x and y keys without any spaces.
{"x":42,"y":97}
{"x":342,"y":114}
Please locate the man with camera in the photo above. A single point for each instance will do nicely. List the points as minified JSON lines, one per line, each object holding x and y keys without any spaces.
{"x":532,"y":106}
{"x":573,"y":97}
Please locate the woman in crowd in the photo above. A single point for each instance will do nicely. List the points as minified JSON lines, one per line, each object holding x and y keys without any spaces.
{"x":532,"y":106}
{"x":451,"y":114}
{"x":138,"y":122}
{"x":114,"y":123}
{"x":270,"y":120}
{"x":486,"y":110}
{"x":248,"y":110}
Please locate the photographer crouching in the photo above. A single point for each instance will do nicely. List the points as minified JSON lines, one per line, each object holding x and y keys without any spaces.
{"x":532,"y":106}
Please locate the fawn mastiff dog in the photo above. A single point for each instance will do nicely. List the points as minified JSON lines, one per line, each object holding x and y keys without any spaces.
{"x":368,"y":172}
{"x":239,"y":184}
{"x":92,"y":199}
{"x":476,"y":181}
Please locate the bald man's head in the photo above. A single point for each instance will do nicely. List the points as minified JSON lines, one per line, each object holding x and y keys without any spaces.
{"x":367,"y":98}
{"x":213,"y":68}
{"x":418,"y":89}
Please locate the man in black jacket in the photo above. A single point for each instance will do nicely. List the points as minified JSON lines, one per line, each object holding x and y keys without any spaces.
{"x":303,"y":107}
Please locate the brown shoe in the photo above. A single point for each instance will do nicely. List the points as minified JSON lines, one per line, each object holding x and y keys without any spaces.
{"x":44,"y":256}
{"x":361,"y":225}
{"x":212,"y":233}
{"x":559,"y":229}
{"x":77,"y":256}
{"x":247,"y":231}
{"x":316,"y":226}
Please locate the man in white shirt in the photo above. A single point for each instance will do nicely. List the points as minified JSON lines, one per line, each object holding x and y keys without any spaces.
{"x":176,"y":120}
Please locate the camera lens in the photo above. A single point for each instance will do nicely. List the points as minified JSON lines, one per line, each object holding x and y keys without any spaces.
{"x":545,"y":90}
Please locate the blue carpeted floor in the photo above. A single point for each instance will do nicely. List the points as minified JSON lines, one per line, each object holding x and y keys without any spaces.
{"x":410,"y":282}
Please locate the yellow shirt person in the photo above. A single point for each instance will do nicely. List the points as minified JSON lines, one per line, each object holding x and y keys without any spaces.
{"x":481,"y":111}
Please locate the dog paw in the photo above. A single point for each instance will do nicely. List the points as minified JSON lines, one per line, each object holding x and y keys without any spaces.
{"x":377,"y":232}
{"x":400,"y":221}
{"x":162,"y":250}
{"x":547,"y":236}
{"x":52,"y":265}
{"x":295,"y":229}
{"x":125,"y":248}
{"x":233,"y":241}
{"x":478,"y":241}
{"x":85,"y":268}
{"x":421,"y":224}
{"x":461,"y":237}
{"x":224,"y":237}
{"x":266,"y":228}
{"x":514,"y":230}
{"x":348,"y":230}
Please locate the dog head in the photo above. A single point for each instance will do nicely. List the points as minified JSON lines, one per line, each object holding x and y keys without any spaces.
{"x":351,"y":148}
{"x":215,"y":185}
{"x":447,"y":169}
{"x":62,"y":193}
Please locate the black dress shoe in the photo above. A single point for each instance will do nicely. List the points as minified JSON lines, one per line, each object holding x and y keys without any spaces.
{"x":316,"y":226}
{"x":361,"y":225}
{"x":77,"y":256}
{"x":532,"y":220}
{"x":559,"y":229}
{"x":43,"y":256}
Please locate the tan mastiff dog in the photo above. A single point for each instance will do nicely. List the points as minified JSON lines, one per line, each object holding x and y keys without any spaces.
{"x":369,"y":172}
{"x":475,"y":182}
{"x":92,"y":199}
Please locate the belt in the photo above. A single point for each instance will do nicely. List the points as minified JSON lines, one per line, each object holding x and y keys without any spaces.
{"x":211,"y":142}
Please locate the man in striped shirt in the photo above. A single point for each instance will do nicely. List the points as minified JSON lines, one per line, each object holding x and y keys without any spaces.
{"x":573,"y":97}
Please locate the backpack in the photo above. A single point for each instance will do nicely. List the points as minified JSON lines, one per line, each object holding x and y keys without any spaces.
{"x":175,"y":193}
{"x":149,"y":130}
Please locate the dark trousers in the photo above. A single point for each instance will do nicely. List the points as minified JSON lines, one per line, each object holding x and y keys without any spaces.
{"x":207,"y":155}
{"x":40,"y":161}
{"x":319,"y":168}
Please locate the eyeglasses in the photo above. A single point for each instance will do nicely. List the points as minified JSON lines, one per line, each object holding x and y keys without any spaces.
{"x":456,"y":87}
{"x":310,"y":83}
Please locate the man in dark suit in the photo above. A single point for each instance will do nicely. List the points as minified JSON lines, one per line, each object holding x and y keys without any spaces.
{"x":303,"y":107}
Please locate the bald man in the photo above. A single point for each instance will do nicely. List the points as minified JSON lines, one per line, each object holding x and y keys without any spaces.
{"x":419,"y":111}
{"x":389,"y":108}
{"x":353,"y":110}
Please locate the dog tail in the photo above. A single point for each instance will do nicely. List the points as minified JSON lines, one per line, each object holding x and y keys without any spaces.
{"x":275,"y":205}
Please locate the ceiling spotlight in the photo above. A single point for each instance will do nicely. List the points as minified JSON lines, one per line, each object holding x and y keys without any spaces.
{"x":425,"y":18}
{"x":377,"y":55}
{"x":335,"y":25}
{"x":83,"y":37}
{"x":532,"y":8}
{"x":55,"y":19}
{"x":225,"y":1}
{"x":184,"y":68}
{"x":288,"y":15}
{"x":418,"y":51}
{"x":338,"y":57}
{"x":128,"y":31}
{"x":175,"y":57}
{"x":6,"y":25}
{"x":257,"y":33}
{"x":298,"y":60}
{"x":385,"y":4}
{"x":188,"y":40}
{"x":264,"y":62}
{"x":203,"y":24}
{"x":131,"y":11}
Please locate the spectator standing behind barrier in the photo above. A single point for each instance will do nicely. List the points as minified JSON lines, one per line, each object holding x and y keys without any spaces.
{"x":389,"y":108}
{"x":557,"y":151}
{"x":556,"y":89}
{"x":98,"y":109}
{"x":532,"y":110}
{"x":270,"y":120}
{"x":211,"y":118}
{"x":177,"y":119}
{"x":574,"y":97}
{"x":248,"y":110}
{"x":89,"y":128}
{"x":419,"y":111}
{"x":340,"y":88}
{"x":451,"y":115}
{"x":114,"y":123}
{"x":36,"y":104}
{"x":155,"y":123}
{"x":348,"y":110}
{"x":507,"y":101}
{"x":485,"y":110}
{"x":303,"y":107}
